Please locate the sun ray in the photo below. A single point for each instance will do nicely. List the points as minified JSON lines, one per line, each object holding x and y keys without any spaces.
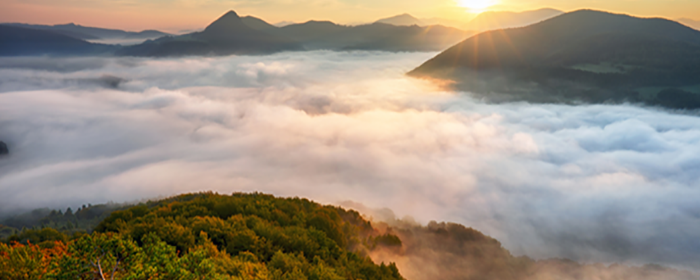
{"x":476,"y":5}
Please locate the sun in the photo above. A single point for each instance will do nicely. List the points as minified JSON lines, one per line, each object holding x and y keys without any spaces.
{"x":476,"y":5}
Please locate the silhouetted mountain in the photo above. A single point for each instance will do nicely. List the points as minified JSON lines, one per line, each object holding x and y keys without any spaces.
{"x":227,"y":35}
{"x":257,"y":24}
{"x":314,"y":35}
{"x":284,"y":23}
{"x":93,"y":33}
{"x":444,"y":22}
{"x":311,"y":31}
{"x":401,"y":20}
{"x":3,"y":149}
{"x":501,"y":20}
{"x":379,"y":36}
{"x":18,"y":41}
{"x":690,"y":23}
{"x":587,"y":56}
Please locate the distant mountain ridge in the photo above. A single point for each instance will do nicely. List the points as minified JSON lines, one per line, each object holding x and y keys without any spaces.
{"x":232,"y":34}
{"x":483,"y":22}
{"x":401,"y":20}
{"x":92,"y":33}
{"x":695,"y":24}
{"x":20,"y":41}
{"x":586,"y":55}
{"x":503,"y":19}
{"x":226,"y":35}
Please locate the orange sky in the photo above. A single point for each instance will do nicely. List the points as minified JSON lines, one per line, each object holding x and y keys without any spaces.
{"x":177,"y":15}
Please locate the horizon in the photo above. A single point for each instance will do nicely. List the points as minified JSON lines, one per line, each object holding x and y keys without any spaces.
{"x":142,"y":16}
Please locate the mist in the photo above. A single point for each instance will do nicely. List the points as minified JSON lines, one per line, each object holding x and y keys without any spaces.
{"x":593,"y":183}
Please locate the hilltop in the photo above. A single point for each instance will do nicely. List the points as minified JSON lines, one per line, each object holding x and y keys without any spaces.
{"x":582,"y":56}
{"x":226,"y":35}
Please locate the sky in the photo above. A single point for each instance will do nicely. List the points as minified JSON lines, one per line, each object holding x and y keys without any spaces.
{"x":593,"y":183}
{"x":179,"y":15}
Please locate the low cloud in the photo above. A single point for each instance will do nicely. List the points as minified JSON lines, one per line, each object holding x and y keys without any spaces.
{"x":594,"y":183}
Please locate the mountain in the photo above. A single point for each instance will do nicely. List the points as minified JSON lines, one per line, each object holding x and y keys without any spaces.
{"x":690,"y":23}
{"x":93,"y":33}
{"x":317,"y":35}
{"x":283,"y":23}
{"x":501,"y":20}
{"x":3,"y":148}
{"x":401,"y":20}
{"x":19,"y":41}
{"x":257,"y":24}
{"x":380,"y":36}
{"x":311,"y":31}
{"x":445,"y":22}
{"x":227,"y":35}
{"x":582,"y":56}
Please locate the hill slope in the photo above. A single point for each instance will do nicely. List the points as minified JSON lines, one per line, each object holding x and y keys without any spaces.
{"x":401,"y":20}
{"x":227,"y":35}
{"x":315,"y":35}
{"x":93,"y":33}
{"x":19,"y":41}
{"x":257,"y":236}
{"x":587,"y":56}
{"x":695,"y":24}
{"x":501,"y":20}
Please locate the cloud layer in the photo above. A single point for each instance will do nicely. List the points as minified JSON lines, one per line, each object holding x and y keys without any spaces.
{"x":596,"y":183}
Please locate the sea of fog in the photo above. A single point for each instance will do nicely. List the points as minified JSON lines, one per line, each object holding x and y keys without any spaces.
{"x":599,"y":183}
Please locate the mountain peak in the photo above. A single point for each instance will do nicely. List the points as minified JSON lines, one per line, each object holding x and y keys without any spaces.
{"x":228,"y":21}
{"x":402,"y":19}
{"x":230,"y":13}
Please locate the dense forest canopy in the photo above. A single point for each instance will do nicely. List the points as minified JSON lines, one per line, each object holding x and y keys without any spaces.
{"x":259,"y":236}
{"x":205,"y":236}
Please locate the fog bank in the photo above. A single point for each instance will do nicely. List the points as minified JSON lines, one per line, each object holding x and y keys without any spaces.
{"x":594,"y":183}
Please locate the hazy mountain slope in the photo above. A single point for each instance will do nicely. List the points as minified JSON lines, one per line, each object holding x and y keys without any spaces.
{"x":17,"y":41}
{"x":444,"y":22}
{"x":401,"y":20}
{"x":379,"y":36}
{"x":311,"y":31}
{"x":257,"y":24}
{"x":315,"y":35}
{"x":227,"y":35}
{"x":93,"y":33}
{"x":500,"y":20}
{"x":585,"y":56}
{"x":690,"y":23}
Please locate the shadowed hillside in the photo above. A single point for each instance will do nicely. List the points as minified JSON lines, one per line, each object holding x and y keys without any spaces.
{"x":227,"y":35}
{"x":586,"y":56}
{"x":501,"y":20}
{"x":92,"y":33}
{"x":17,"y":41}
{"x":401,"y":20}
{"x":690,"y":23}
{"x":314,"y":35}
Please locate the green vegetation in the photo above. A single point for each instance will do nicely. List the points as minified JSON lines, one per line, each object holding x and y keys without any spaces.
{"x":84,"y":219}
{"x":257,"y":236}
{"x":205,"y":236}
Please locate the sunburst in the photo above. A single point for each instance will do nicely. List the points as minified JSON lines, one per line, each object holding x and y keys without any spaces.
{"x":476,"y":5}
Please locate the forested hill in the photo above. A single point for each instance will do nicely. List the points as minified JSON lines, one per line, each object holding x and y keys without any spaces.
{"x":258,"y":236}
{"x":208,"y":236}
